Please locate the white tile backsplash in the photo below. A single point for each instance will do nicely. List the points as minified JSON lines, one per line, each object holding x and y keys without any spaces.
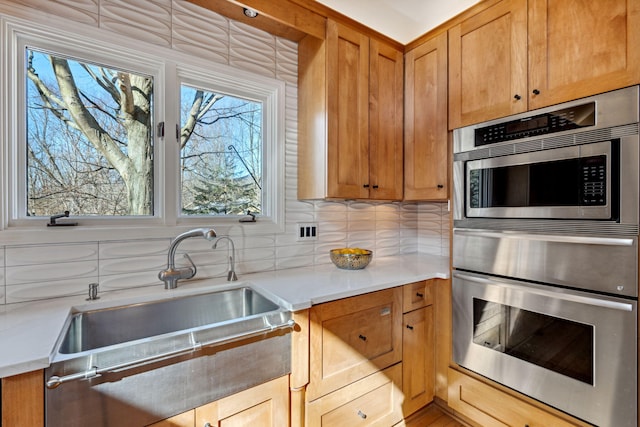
{"x":49,"y":271}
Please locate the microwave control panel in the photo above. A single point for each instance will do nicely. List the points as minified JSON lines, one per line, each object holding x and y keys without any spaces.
{"x":575,"y":117}
{"x":594,"y":181}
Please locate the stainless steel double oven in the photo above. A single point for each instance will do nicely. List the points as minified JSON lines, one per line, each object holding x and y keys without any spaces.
{"x":545,"y":254}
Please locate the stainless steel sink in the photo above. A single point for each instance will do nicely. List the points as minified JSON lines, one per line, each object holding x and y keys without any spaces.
{"x":133,"y":365}
{"x":91,"y":330}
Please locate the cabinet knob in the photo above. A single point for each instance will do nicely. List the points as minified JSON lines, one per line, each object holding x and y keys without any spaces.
{"x":419,"y":295}
{"x":517,"y":97}
{"x":536,"y":92}
{"x":362,"y":337}
{"x":365,"y":186}
{"x":375,"y":186}
{"x":440,"y":186}
{"x":362,"y":415}
{"x":410,"y":327}
{"x":207,"y":425}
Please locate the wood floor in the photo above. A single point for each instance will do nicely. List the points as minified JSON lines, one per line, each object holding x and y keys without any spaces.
{"x":432,"y":416}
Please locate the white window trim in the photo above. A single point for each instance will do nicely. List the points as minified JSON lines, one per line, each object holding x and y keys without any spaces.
{"x":72,"y":39}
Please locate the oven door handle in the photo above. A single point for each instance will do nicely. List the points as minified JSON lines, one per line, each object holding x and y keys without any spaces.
{"x":583,"y":240}
{"x":581,"y":299}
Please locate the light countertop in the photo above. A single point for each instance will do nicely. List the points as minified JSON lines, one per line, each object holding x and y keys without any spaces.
{"x":28,"y":331}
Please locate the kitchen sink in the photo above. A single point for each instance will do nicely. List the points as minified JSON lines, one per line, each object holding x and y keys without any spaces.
{"x":135,"y":364}
{"x":91,"y":330}
{"x":98,"y":341}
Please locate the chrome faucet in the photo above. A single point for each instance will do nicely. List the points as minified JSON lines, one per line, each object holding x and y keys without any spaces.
{"x":171,"y":275}
{"x":231,"y":275}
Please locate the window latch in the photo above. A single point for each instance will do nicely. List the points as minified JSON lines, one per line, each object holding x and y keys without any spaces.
{"x":53,"y":218}
{"x":249,"y":218}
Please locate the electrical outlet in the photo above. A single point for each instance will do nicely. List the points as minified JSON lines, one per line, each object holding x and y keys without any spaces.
{"x":307,"y":232}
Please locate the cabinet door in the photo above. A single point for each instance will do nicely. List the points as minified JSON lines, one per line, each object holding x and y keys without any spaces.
{"x":385,"y":122}
{"x":348,"y":112}
{"x":265,"y":405}
{"x":418,"y":368}
{"x":490,"y":407}
{"x":373,"y":401}
{"x":352,"y":338}
{"x":488,"y":64}
{"x":425,"y":167}
{"x":581,"y":47}
{"x":22,"y":399}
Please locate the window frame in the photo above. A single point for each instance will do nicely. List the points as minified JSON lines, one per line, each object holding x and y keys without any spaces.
{"x":168,"y":68}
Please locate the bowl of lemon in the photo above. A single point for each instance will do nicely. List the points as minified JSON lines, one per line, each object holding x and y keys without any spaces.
{"x":350,"y":258}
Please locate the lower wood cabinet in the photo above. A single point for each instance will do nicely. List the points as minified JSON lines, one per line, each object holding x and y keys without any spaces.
{"x":418,"y":376}
{"x":352,"y":338}
{"x":265,"y":405}
{"x":371,"y":358}
{"x":373,"y":400}
{"x":488,"y":406}
{"x":22,"y":399}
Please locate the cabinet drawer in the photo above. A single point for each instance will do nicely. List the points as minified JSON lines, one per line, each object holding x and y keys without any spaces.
{"x":353,"y":338}
{"x":417,"y":295}
{"x":373,"y":401}
{"x":490,"y":407}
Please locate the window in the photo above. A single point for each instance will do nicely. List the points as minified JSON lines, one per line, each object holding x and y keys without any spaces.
{"x":220,"y":153}
{"x":91,"y":132}
{"x":89,"y":138}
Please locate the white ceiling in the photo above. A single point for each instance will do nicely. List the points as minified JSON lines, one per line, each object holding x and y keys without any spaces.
{"x":401,"y":20}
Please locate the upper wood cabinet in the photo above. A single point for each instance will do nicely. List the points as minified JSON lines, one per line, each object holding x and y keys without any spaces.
{"x":516,"y":55}
{"x":488,"y":64}
{"x":579,"y":48}
{"x":350,"y":117}
{"x":386,"y":92}
{"x":425,"y":121}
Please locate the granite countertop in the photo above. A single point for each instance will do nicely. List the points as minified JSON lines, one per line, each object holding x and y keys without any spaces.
{"x":28,"y":331}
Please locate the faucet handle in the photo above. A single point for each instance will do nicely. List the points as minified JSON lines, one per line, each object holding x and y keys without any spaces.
{"x":193,"y":266}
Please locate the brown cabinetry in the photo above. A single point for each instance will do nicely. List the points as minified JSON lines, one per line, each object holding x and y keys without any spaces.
{"x":488,"y":64}
{"x":488,"y":406}
{"x":425,"y":121}
{"x":418,"y":349}
{"x":354,"y":372}
{"x":350,"y":115}
{"x":375,"y":400}
{"x":519,"y":55}
{"x":265,"y":405}
{"x":22,"y":399}
{"x":372,"y":357}
{"x":352,"y":338}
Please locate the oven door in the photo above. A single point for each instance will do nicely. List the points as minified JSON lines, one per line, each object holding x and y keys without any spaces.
{"x":577,"y":182}
{"x":572,"y":350}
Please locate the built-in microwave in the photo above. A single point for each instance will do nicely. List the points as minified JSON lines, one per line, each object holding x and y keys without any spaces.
{"x":563,"y":183}
{"x":576,"y":161}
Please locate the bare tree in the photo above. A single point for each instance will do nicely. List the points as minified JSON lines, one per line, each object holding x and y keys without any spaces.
{"x":129,"y":151}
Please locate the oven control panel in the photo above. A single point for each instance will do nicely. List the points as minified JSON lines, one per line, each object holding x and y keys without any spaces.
{"x":575,"y":117}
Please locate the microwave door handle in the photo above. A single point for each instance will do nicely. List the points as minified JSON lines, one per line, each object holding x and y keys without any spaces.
{"x":588,"y":240}
{"x":581,"y":299}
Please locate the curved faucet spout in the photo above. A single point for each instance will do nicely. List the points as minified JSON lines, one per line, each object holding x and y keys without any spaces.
{"x":231,"y":275}
{"x":207,"y":233}
{"x":171,"y":275}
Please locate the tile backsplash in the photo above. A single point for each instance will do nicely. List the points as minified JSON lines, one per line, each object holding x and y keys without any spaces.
{"x":46,"y":271}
